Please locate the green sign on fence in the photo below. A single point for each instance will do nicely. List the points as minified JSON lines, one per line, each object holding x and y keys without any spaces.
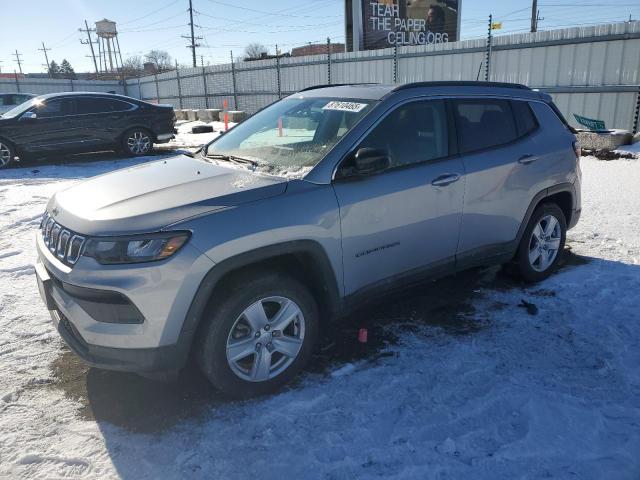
{"x":590,"y":123}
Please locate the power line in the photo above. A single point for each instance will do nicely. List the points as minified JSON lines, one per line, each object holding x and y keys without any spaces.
{"x":268,"y":13}
{"x":153,"y":12}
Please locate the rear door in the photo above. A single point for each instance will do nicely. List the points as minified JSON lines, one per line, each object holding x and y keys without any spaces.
{"x":103,"y":119}
{"x":406,"y":219}
{"x":497,"y":139}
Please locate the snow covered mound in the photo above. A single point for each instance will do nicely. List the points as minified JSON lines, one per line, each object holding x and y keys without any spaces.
{"x":542,"y":381}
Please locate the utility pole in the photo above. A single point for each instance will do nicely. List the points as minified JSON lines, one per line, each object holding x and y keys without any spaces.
{"x":89,"y":41}
{"x":192,"y":37}
{"x":534,"y":16}
{"x":46,"y":57}
{"x":18,"y":61}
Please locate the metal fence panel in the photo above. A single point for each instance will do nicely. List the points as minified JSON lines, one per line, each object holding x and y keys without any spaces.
{"x":42,"y":86}
{"x":592,"y":71}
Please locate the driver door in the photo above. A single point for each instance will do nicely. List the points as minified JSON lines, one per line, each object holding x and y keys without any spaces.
{"x":53,"y":129}
{"x":406,"y":219}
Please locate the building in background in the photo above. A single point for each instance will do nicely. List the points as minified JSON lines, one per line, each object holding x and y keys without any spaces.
{"x":317,"y":49}
{"x":388,"y":23}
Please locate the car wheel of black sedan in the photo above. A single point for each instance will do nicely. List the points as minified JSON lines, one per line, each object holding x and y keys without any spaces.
{"x":7,"y":154}
{"x":137,"y":142}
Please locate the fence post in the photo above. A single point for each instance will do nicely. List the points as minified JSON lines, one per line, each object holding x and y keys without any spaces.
{"x":328,"y":61}
{"x":233,"y":79}
{"x":71,"y":82}
{"x":395,"y":63}
{"x":179,"y":86}
{"x":636,"y":119}
{"x":15,"y":75}
{"x":155,"y":77}
{"x":204,"y":83}
{"x":278,"y":73}
{"x":139,"y":89}
{"x":487,"y":65}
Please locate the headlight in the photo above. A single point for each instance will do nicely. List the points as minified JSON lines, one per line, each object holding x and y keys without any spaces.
{"x":136,"y":248}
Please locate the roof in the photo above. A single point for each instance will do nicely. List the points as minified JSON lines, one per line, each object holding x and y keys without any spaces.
{"x":81,"y":94}
{"x":372,"y":91}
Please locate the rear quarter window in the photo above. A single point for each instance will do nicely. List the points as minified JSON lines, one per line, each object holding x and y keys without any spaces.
{"x":525,"y":119}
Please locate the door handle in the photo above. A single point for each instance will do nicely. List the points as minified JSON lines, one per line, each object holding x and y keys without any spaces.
{"x":527,"y":159}
{"x":446,"y":179}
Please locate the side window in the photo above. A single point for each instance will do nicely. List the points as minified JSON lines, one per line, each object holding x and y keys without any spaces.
{"x":58,"y":107}
{"x":484,"y":124}
{"x":525,"y":119}
{"x":100,"y":105}
{"x":413,"y":133}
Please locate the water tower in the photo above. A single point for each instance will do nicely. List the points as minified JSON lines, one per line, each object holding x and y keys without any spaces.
{"x":108,"y":46}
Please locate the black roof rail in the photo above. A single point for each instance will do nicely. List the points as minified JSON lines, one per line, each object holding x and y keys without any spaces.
{"x":461,"y":83}
{"x":327,"y":85}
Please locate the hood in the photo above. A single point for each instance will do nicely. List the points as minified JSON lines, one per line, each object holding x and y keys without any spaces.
{"x":151,"y":196}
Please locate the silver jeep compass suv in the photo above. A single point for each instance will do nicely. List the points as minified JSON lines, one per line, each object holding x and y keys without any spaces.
{"x":240,"y":253}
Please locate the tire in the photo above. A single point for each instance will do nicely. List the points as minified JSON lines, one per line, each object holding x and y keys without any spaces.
{"x":202,"y":129}
{"x":228,"y":332}
{"x":540,"y":249}
{"x":134,"y":144}
{"x":7,"y":154}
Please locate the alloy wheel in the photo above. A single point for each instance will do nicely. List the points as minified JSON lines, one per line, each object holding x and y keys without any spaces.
{"x":139,"y":142}
{"x":5,"y":155}
{"x":265,"y":339}
{"x":544,"y":243}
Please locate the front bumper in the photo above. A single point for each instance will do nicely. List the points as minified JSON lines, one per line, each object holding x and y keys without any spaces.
{"x":106,"y":333}
{"x":141,"y":360}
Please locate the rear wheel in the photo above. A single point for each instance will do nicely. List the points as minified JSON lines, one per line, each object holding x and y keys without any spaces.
{"x":7,"y":154}
{"x":542,"y":243}
{"x":259,"y":336}
{"x":137,"y":142}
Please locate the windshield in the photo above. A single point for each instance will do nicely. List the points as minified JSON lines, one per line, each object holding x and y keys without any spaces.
{"x":23,"y":107}
{"x":290,"y":136}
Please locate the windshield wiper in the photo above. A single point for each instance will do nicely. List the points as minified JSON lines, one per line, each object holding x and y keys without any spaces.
{"x":233,"y":159}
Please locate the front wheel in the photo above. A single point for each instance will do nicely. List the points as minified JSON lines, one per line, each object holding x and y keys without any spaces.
{"x":259,"y":335}
{"x":137,"y":142}
{"x":7,"y":154}
{"x":542,"y":243}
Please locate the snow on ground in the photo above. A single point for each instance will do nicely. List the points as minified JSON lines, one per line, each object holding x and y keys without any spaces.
{"x":185,"y":139}
{"x":634,"y":149}
{"x":550,"y":391}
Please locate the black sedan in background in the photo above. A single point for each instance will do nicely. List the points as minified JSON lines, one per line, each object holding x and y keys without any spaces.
{"x":78,"y":122}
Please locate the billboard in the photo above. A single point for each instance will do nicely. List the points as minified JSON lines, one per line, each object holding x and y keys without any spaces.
{"x":375,"y":24}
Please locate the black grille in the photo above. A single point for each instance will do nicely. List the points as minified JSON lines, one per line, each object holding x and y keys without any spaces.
{"x":65,"y":244}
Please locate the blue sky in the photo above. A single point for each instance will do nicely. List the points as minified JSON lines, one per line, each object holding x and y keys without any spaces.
{"x":227,"y":25}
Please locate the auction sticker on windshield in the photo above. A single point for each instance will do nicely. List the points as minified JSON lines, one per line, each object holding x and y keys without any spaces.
{"x":344,"y":106}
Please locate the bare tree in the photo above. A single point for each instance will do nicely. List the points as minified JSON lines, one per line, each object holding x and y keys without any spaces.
{"x":254,"y":51}
{"x":161,"y":59}
{"x":133,"y":65}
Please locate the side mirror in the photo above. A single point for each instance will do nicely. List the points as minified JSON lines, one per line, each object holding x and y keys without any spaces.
{"x":369,"y":161}
{"x":29,"y":116}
